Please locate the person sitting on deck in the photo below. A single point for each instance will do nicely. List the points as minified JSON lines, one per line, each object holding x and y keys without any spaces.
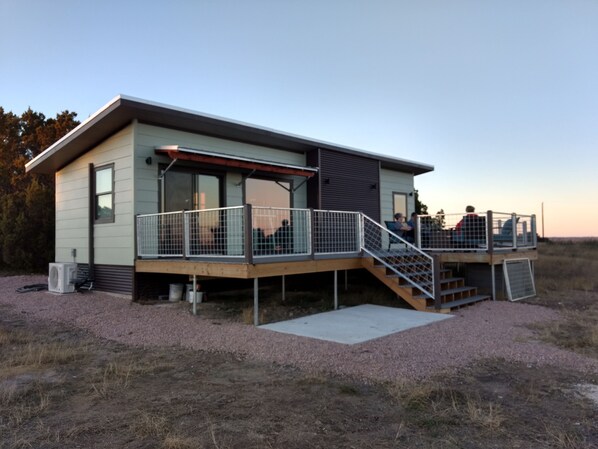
{"x":470,"y":232}
{"x":401,"y":228}
{"x":283,"y":238}
{"x":470,"y":210}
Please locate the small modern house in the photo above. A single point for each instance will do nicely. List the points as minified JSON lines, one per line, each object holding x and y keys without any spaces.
{"x":144,"y":189}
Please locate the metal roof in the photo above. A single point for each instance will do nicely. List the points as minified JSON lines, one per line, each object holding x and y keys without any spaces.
{"x":122,"y":110}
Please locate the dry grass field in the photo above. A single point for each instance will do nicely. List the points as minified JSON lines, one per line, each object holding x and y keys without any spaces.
{"x":63,"y":388}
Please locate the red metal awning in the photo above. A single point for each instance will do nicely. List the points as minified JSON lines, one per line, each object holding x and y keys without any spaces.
{"x":226,"y":160}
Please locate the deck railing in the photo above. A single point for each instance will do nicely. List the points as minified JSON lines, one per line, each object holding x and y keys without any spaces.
{"x":261,"y":234}
{"x":274,"y":233}
{"x":491,"y":231}
{"x":398,"y":256}
{"x":280,"y":234}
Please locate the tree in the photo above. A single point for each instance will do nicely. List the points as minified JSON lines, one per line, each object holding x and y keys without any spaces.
{"x":420,"y":208}
{"x":27,"y":200}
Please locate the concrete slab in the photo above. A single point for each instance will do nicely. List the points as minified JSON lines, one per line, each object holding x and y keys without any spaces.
{"x":357,"y":324}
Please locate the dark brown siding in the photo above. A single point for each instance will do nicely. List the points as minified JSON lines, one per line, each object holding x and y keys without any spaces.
{"x":349,"y":182}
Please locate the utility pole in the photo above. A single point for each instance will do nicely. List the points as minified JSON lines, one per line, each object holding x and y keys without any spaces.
{"x":542,"y":220}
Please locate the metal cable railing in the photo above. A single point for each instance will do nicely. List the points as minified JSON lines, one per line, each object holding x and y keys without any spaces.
{"x":215,"y":232}
{"x":280,"y":231}
{"x":399,"y":256}
{"x":336,"y":232}
{"x":160,"y":235}
{"x":472,"y":232}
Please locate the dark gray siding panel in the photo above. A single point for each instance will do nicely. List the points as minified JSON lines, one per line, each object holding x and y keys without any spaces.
{"x":114,"y":279}
{"x":313,"y":184}
{"x":349,"y":182}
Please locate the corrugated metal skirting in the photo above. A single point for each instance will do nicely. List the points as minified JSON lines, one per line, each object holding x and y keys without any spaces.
{"x":110,"y":278}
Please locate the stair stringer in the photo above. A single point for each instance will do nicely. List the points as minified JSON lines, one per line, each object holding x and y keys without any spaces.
{"x":405,"y":292}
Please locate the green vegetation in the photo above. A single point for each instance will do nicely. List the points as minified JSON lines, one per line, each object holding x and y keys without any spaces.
{"x":27,"y":200}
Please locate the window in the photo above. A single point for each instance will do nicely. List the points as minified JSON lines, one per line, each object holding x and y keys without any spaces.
{"x":104,"y":194}
{"x":188,"y":190}
{"x":399,"y":203}
{"x":268,"y":192}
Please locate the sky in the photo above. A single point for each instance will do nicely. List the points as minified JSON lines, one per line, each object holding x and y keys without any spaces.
{"x":500,"y":96}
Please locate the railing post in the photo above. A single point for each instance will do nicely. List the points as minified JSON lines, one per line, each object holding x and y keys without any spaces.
{"x":534,"y":234}
{"x":436,"y":276}
{"x":184,"y":240}
{"x":418,"y":232}
{"x":248,"y":229}
{"x":514,"y":228}
{"x":312,"y":236}
{"x":137,"y":237}
{"x":490,"y":231}
{"x":361,"y":231}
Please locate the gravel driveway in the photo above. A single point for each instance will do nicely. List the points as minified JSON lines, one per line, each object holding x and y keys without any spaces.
{"x":487,"y":330}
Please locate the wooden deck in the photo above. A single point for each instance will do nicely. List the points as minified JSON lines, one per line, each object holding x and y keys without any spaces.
{"x":493,"y":258}
{"x":324,"y":241}
{"x":241,"y":270}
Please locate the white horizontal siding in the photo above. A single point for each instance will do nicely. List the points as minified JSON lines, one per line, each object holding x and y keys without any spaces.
{"x":394,"y":181}
{"x":72,"y":205}
{"x":148,"y":137}
{"x":151,"y":136}
{"x":234,"y":190}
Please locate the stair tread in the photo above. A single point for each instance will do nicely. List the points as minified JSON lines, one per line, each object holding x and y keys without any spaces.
{"x":412,"y":274}
{"x":462,"y":302}
{"x":447,"y":280}
{"x":450,"y":291}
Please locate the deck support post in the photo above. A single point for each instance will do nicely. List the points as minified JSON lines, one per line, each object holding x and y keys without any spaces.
{"x":283,"y":288}
{"x":248,"y":240}
{"x":194,"y":294}
{"x":493,"y":274}
{"x":335,"y":289}
{"x":436,"y":281}
{"x":256,"y":315}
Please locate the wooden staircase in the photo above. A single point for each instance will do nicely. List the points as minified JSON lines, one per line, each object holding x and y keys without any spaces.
{"x":453,"y":291}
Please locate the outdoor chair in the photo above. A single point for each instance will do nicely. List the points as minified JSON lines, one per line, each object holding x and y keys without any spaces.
{"x":392,"y":238}
{"x":505,"y":238}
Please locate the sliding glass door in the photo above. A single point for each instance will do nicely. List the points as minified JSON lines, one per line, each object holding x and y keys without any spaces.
{"x":189,"y":190}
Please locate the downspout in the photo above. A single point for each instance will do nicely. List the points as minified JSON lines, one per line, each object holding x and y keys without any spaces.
{"x":90,"y":237}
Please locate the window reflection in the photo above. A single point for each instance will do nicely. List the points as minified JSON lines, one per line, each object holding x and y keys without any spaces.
{"x":268,"y":193}
{"x":104,"y":195}
{"x":189,"y":190}
{"x":399,"y":203}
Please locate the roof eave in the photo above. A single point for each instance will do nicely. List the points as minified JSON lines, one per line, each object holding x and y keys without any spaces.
{"x":50,"y":161}
{"x":122,"y":110}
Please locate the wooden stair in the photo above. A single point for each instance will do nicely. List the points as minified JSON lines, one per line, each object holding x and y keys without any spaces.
{"x":453,"y":291}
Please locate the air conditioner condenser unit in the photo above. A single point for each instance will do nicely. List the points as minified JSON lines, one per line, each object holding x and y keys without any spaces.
{"x":61,"y":277}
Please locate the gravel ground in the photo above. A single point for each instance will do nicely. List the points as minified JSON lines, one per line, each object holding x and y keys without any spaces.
{"x":487,"y":330}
